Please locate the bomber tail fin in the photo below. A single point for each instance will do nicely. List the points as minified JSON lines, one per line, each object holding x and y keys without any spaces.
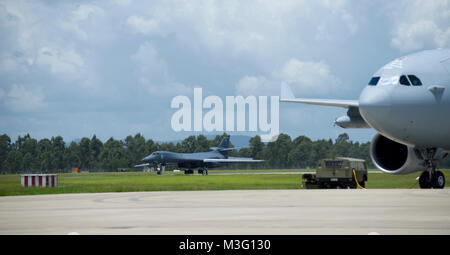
{"x":224,"y":143}
{"x":223,"y":146}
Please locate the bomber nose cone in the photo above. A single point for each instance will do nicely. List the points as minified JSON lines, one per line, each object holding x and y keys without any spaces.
{"x":375,"y":104}
{"x":147,"y":159}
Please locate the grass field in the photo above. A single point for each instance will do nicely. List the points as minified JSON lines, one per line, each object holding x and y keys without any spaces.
{"x":139,"y":181}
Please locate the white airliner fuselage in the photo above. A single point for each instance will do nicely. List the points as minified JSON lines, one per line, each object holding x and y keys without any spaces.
{"x":415,"y":115}
{"x":407,"y":102}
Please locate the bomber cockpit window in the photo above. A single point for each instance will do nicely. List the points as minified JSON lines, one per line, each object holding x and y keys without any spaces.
{"x":414,"y":80}
{"x":404,"y":81}
{"x":374,"y":81}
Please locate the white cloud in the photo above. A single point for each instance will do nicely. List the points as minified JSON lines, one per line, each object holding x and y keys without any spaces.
{"x":259,"y":28}
{"x":85,"y":11}
{"x":21,"y":99}
{"x":123,"y":2}
{"x":313,"y":77}
{"x":60,"y":61}
{"x":255,"y":85}
{"x":153,"y":73}
{"x":310,"y":78}
{"x":422,"y":24}
{"x":143,"y":25}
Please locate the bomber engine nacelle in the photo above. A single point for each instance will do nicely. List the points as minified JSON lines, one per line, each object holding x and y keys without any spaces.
{"x":393,"y":157}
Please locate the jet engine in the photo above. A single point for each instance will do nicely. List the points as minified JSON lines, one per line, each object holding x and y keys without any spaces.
{"x":395,"y":158}
{"x":353,"y":119}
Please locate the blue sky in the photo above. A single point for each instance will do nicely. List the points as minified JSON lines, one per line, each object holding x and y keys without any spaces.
{"x":111,"y":68}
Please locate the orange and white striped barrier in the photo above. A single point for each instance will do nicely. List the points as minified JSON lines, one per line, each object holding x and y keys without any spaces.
{"x":39,"y":180}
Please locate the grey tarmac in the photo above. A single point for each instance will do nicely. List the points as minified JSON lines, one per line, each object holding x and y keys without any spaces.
{"x":336,"y":212}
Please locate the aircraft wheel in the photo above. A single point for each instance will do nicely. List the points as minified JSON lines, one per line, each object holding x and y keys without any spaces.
{"x":205,"y":172}
{"x":438,"y":180}
{"x":424,"y":180}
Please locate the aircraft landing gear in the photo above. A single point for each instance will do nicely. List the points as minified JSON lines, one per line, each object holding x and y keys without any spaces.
{"x":161,"y":169}
{"x":438,"y":180}
{"x":428,"y":180}
{"x":432,"y":178}
{"x":203,"y":171}
{"x":424,"y":180}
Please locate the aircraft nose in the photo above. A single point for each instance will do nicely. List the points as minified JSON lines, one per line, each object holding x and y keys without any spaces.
{"x":375,"y":104}
{"x":147,"y":159}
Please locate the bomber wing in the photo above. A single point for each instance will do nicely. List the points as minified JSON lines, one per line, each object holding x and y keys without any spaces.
{"x":288,"y":96}
{"x":232,"y":160}
{"x":141,"y":165}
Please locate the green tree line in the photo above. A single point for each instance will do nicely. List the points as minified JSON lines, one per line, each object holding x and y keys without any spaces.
{"x":27,"y":154}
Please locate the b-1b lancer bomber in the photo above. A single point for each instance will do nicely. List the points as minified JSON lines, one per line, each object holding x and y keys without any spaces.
{"x":202,"y":160}
{"x":407,"y":102}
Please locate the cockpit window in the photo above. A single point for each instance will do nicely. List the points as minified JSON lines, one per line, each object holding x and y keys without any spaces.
{"x":374,"y":81}
{"x":389,"y":80}
{"x":404,"y":81}
{"x":155,"y":153}
{"x":414,"y":80}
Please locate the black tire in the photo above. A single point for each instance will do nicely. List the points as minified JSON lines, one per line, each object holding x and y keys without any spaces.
{"x":424,"y":180}
{"x":353,"y":184}
{"x":307,"y":176}
{"x":438,"y":180}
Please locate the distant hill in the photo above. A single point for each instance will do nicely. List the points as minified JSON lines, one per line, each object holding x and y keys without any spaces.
{"x":236,"y":140}
{"x":240,"y":140}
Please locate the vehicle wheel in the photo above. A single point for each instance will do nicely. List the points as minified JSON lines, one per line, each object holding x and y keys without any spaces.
{"x":362,"y":184}
{"x":205,"y":172}
{"x":438,"y":180}
{"x":424,"y":180}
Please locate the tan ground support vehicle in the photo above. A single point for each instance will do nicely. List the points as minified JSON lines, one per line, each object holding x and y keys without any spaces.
{"x":337,"y":173}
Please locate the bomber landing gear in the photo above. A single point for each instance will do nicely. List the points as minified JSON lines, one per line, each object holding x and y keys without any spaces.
{"x":203,"y":171}
{"x":161,"y":169}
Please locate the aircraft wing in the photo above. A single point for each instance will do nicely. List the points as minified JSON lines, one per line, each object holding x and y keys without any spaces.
{"x":232,"y":160}
{"x":142,"y":165}
{"x":288,"y":96}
